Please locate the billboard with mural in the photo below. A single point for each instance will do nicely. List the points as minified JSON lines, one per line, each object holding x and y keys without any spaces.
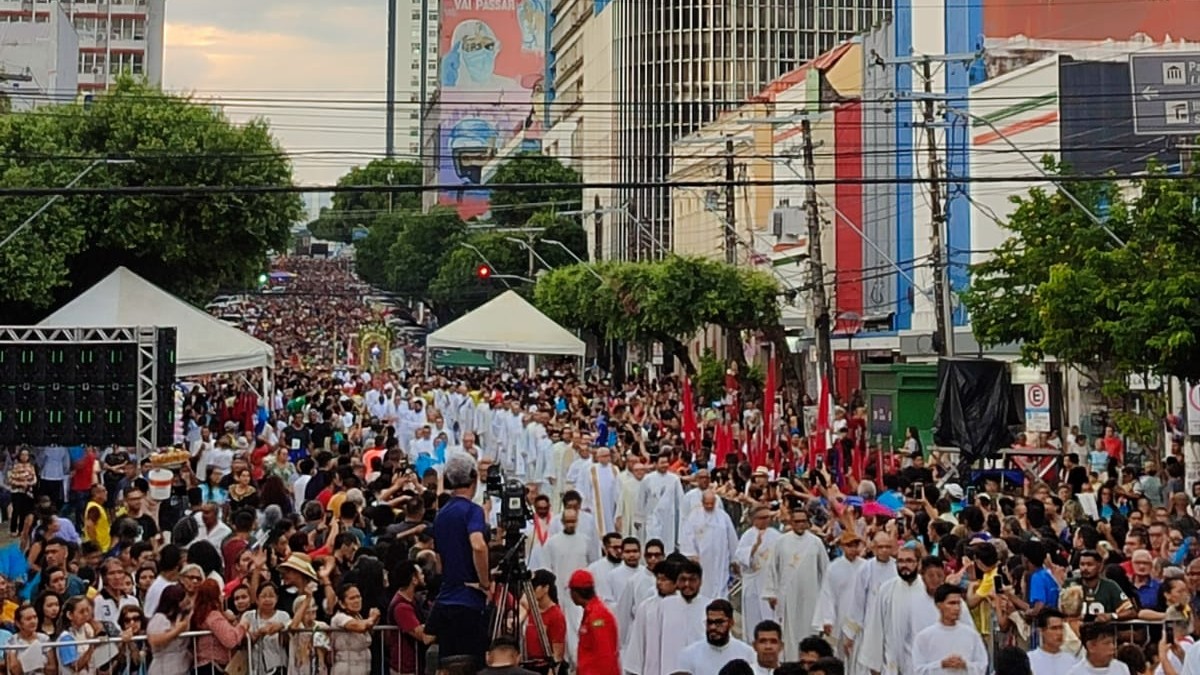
{"x":1098,"y":20}
{"x":492,"y":70}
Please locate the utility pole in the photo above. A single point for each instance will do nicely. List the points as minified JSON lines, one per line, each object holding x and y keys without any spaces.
{"x":730,"y":210}
{"x":816,"y":264}
{"x":941,"y":258}
{"x":391,"y":79}
{"x":598,"y":251}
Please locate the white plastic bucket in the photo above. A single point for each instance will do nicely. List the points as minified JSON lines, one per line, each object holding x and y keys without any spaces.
{"x":160,"y":484}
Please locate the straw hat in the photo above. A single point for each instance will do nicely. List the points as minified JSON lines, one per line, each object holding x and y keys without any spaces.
{"x":298,"y":562}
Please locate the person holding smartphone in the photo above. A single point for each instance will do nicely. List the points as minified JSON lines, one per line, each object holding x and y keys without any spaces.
{"x":170,"y":621}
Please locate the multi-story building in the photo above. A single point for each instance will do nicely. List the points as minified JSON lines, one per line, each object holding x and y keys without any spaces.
{"x":38,"y":65}
{"x":114,"y":36}
{"x":416,"y":70}
{"x":680,"y":64}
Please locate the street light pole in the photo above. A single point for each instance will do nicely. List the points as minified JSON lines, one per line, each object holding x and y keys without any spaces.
{"x":501,"y":277}
{"x":53,"y":200}
{"x":532,"y":254}
{"x":571,"y":253}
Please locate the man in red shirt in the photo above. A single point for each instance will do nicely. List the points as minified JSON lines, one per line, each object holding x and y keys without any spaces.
{"x":598,"y":641}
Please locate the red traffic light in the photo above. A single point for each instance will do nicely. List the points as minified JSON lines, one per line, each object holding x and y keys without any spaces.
{"x":483,"y":272}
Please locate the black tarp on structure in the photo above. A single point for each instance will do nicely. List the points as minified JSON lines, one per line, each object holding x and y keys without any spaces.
{"x":974,"y":407}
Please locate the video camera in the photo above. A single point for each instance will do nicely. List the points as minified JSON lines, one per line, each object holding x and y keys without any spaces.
{"x":515,"y":513}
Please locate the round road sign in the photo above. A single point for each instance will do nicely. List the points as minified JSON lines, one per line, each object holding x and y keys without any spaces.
{"x":1036,"y":396}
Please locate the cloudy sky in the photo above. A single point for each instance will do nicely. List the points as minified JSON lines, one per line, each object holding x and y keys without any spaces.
{"x":280,"y":59}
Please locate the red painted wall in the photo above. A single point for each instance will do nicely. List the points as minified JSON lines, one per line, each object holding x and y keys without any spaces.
{"x":1104,"y":19}
{"x":848,"y":243}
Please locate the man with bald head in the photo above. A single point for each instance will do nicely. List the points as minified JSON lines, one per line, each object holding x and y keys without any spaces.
{"x":709,"y":538}
{"x":870,"y":578}
{"x":702,"y":482}
{"x":563,"y":554}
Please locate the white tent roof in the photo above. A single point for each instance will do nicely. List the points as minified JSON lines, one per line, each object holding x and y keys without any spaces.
{"x":507,"y":324}
{"x":204,"y":344}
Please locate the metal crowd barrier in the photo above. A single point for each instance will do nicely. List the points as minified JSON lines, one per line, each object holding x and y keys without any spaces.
{"x":383,"y":645}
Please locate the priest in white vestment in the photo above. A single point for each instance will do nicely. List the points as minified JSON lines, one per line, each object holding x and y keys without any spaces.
{"x":870,"y":577}
{"x":576,"y":478}
{"x":564,"y":553}
{"x":537,"y":453}
{"x":587,"y":524}
{"x":708,"y":538}
{"x":660,"y":503}
{"x":601,"y":493}
{"x":752,"y":555}
{"x":562,"y":454}
{"x":710,"y":655}
{"x":638,"y":589}
{"x":602,"y":570}
{"x":691,"y":499}
{"x":949,"y":647}
{"x":886,"y":646}
{"x":643,"y":650}
{"x":839,"y":585}
{"x":631,"y":489}
{"x":793,"y":584}
{"x":683,"y":615}
{"x":539,"y":531}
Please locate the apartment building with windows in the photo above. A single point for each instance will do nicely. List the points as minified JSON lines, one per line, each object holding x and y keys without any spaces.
{"x":414,"y":60}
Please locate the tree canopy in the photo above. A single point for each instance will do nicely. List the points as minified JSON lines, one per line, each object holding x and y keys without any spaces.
{"x":514,"y":208}
{"x":668,"y":301}
{"x":190,"y":245}
{"x":353,"y":210}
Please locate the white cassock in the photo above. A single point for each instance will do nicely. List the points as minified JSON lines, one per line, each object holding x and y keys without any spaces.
{"x":701,"y":658}
{"x":631,"y":489}
{"x":870,"y":577}
{"x":752,"y":556}
{"x":577,"y":474}
{"x":639,"y":589}
{"x":643,"y":651}
{"x":924,"y":613}
{"x":585,"y":528}
{"x":886,"y":645}
{"x":563,"y":554}
{"x":601,"y":492}
{"x":601,"y":570}
{"x":562,"y":454}
{"x":709,"y":536}
{"x":794,"y":575}
{"x":482,"y":423}
{"x":537,"y":449}
{"x":659,"y":506}
{"x":938,"y":642}
{"x":619,"y":580}
{"x":838,"y":585}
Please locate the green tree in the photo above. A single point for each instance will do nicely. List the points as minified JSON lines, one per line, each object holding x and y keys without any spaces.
{"x":457,"y":288}
{"x":514,"y":208}
{"x":422,"y":245}
{"x":353,"y":210}
{"x":565,"y":230}
{"x":190,"y":245}
{"x":371,"y":254}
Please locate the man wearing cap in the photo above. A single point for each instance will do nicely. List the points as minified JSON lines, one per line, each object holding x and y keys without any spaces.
{"x":838,"y":585}
{"x":753,"y":552}
{"x":598,"y":642}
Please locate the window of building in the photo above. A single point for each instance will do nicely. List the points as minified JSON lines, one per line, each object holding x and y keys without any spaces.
{"x":127,"y":62}
{"x":129,"y":28}
{"x":91,"y":62}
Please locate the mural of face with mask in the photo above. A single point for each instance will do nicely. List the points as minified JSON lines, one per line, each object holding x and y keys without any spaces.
{"x":478,"y":47}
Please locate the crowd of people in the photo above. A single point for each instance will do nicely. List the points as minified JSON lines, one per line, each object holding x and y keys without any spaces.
{"x":344,"y":524}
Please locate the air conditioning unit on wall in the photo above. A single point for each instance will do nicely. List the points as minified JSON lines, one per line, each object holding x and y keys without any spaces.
{"x":787,"y":222}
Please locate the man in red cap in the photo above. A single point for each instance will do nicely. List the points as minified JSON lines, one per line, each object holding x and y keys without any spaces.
{"x":599,"y":646}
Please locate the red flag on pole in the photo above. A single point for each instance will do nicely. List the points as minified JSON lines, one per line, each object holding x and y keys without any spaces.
{"x":819,"y":445}
{"x":770,"y":423}
{"x":690,"y":430}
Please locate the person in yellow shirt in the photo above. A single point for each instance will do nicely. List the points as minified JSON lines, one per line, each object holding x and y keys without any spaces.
{"x":95,"y":521}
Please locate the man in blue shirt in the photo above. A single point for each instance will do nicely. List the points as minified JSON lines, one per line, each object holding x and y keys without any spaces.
{"x":459,"y":615}
{"x":1043,"y":587}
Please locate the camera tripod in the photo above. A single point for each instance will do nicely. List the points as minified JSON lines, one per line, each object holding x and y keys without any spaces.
{"x":513,"y":583}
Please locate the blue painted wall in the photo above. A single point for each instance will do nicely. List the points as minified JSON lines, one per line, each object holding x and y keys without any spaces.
{"x":903,"y":27}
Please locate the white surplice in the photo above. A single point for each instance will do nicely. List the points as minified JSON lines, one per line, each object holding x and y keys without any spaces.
{"x":643,"y":651}
{"x":692,"y":500}
{"x":870,"y":577}
{"x":639,"y":589}
{"x":562,"y":454}
{"x":702,"y":658}
{"x":794,"y":575}
{"x":938,"y":642}
{"x":886,"y":647}
{"x":709,"y":536}
{"x":537,"y":533}
{"x":683,"y":624}
{"x":601,"y":570}
{"x":838,"y":585}
{"x":659,"y":506}
{"x":563,"y":554}
{"x":601,"y":492}
{"x":752,"y":556}
{"x":621,"y":580}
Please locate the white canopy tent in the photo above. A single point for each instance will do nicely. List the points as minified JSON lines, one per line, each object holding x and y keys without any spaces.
{"x":507,"y":323}
{"x":204,"y":344}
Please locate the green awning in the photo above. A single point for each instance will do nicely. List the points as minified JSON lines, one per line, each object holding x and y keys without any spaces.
{"x":462,"y":359}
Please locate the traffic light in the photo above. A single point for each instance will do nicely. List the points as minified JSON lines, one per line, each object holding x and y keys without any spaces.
{"x":483,"y":272}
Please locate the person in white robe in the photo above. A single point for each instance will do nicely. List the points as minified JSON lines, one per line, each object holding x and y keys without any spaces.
{"x":948,"y":647}
{"x":644,"y":650}
{"x":539,"y":531}
{"x":603,"y":569}
{"x":536,"y":449}
{"x":562,"y":455}
{"x":710,"y":655}
{"x":838,"y":585}
{"x":702,"y":482}
{"x":794,"y":574}
{"x":565,"y":553}
{"x":870,"y":577}
{"x":576,"y":478}
{"x":708,"y":537}
{"x":752,"y":555}
{"x":630,"y":573}
{"x":683,"y":615}
{"x":587,"y":523}
{"x":481,"y":424}
{"x":885,"y":645}
{"x":639,"y":589}
{"x":660,"y":503}
{"x":601,"y":493}
{"x":631,"y":489}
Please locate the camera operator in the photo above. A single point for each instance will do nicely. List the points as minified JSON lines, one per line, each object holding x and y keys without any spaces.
{"x":458,"y":618}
